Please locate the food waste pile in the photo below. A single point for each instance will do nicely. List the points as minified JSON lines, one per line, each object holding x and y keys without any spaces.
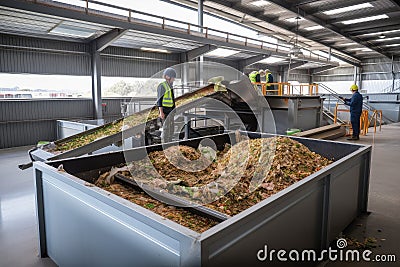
{"x":130,"y":121}
{"x":269,"y":166}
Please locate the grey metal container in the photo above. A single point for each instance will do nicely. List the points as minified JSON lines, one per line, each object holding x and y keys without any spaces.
{"x":82,"y":225}
{"x":68,"y":128}
{"x":296,"y":111}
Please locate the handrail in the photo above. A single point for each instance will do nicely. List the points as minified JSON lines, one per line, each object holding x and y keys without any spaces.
{"x":365,"y":105}
{"x":204,"y":31}
{"x":280,"y":91}
{"x":365,"y":122}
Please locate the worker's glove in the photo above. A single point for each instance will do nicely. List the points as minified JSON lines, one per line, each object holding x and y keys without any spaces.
{"x":341,"y":97}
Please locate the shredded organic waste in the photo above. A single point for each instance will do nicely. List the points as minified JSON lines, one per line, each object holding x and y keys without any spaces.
{"x":179,"y":215}
{"x":131,"y":121}
{"x":230,"y":180}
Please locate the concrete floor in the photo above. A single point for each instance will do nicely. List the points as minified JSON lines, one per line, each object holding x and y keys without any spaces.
{"x":18,"y":229}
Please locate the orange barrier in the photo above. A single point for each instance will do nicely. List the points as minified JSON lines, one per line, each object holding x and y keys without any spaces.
{"x":288,"y":89}
{"x":365,"y":122}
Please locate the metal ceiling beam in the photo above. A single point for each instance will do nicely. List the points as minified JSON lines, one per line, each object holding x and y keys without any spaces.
{"x":249,"y":61}
{"x":346,"y":60}
{"x":396,"y":41}
{"x":286,"y":5}
{"x":375,"y":29}
{"x":194,"y":53}
{"x":264,"y":18}
{"x":368,"y":25}
{"x":317,"y":34}
{"x":321,"y":69}
{"x":48,"y":9}
{"x":396,"y":2}
{"x":108,"y":38}
{"x":387,"y":35}
{"x":297,"y":64}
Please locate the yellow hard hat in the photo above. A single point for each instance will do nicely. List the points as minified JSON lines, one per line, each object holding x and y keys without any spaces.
{"x":354,"y":87}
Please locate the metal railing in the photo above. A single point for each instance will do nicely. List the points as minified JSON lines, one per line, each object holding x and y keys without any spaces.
{"x":366,"y":119}
{"x":135,"y":16}
{"x":285,"y":88}
{"x":393,"y":88}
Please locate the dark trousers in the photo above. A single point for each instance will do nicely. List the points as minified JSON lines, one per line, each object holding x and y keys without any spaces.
{"x":168,"y":129}
{"x":355,"y":123}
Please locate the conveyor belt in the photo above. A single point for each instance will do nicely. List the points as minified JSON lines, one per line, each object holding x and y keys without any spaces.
{"x":49,"y":152}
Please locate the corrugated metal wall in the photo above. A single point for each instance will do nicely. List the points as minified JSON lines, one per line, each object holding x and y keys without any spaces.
{"x":42,"y":56}
{"x":25,"y":122}
{"x":123,"y":62}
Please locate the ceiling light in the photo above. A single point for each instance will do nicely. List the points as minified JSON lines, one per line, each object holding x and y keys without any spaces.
{"x":294,"y":19}
{"x":149,"y":49}
{"x":354,"y":21}
{"x":347,"y":9}
{"x":313,"y":28}
{"x":72,"y":31}
{"x":387,"y":39}
{"x":360,"y":49}
{"x":222,"y":52}
{"x":378,"y":33}
{"x":392,"y":45}
{"x":382,"y":36}
{"x":346,"y":44}
{"x":260,"y":3}
{"x":271,"y":60}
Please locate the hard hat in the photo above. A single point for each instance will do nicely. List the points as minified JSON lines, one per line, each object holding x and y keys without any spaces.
{"x":170,"y":72}
{"x":267,"y":70}
{"x":262,"y":72}
{"x":354,"y":87}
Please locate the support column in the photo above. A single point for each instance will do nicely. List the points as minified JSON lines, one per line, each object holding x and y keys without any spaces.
{"x":393,"y":74}
{"x":200,"y":22}
{"x":357,"y":76}
{"x":96,"y":83}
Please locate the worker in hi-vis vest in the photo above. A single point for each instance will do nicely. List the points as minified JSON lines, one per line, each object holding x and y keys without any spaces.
{"x":166,"y":100}
{"x":269,"y":79}
{"x":255,"y":76}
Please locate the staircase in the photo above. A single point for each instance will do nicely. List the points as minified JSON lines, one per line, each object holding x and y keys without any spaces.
{"x":333,"y":97}
{"x":393,"y":88}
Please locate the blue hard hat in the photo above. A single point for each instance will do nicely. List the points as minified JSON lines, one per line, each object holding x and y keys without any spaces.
{"x":170,"y":72}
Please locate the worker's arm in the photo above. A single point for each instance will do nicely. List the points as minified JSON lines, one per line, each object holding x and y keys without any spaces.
{"x":160,"y":95}
{"x":161,"y":112}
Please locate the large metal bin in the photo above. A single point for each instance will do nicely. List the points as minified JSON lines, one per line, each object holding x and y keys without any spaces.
{"x":68,"y":128}
{"x":82,"y":225}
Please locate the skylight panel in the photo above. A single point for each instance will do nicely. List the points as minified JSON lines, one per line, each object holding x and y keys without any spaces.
{"x":222,"y":52}
{"x":347,"y":9}
{"x":260,"y":3}
{"x":371,"y":18}
{"x":313,"y":28}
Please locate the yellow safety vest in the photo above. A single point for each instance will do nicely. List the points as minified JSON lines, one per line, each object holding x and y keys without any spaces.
{"x":267,"y":77}
{"x":167,"y":101}
{"x":252,"y":76}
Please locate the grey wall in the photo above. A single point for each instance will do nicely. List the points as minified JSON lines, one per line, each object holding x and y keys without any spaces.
{"x":44,"y":56}
{"x":25,"y":122}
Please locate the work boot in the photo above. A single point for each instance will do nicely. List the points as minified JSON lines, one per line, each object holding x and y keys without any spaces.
{"x":353,"y":138}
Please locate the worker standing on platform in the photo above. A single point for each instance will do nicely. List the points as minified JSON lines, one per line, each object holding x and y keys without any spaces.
{"x":166,"y":99}
{"x":255,"y":77}
{"x":269,"y":79}
{"x":355,"y":103}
